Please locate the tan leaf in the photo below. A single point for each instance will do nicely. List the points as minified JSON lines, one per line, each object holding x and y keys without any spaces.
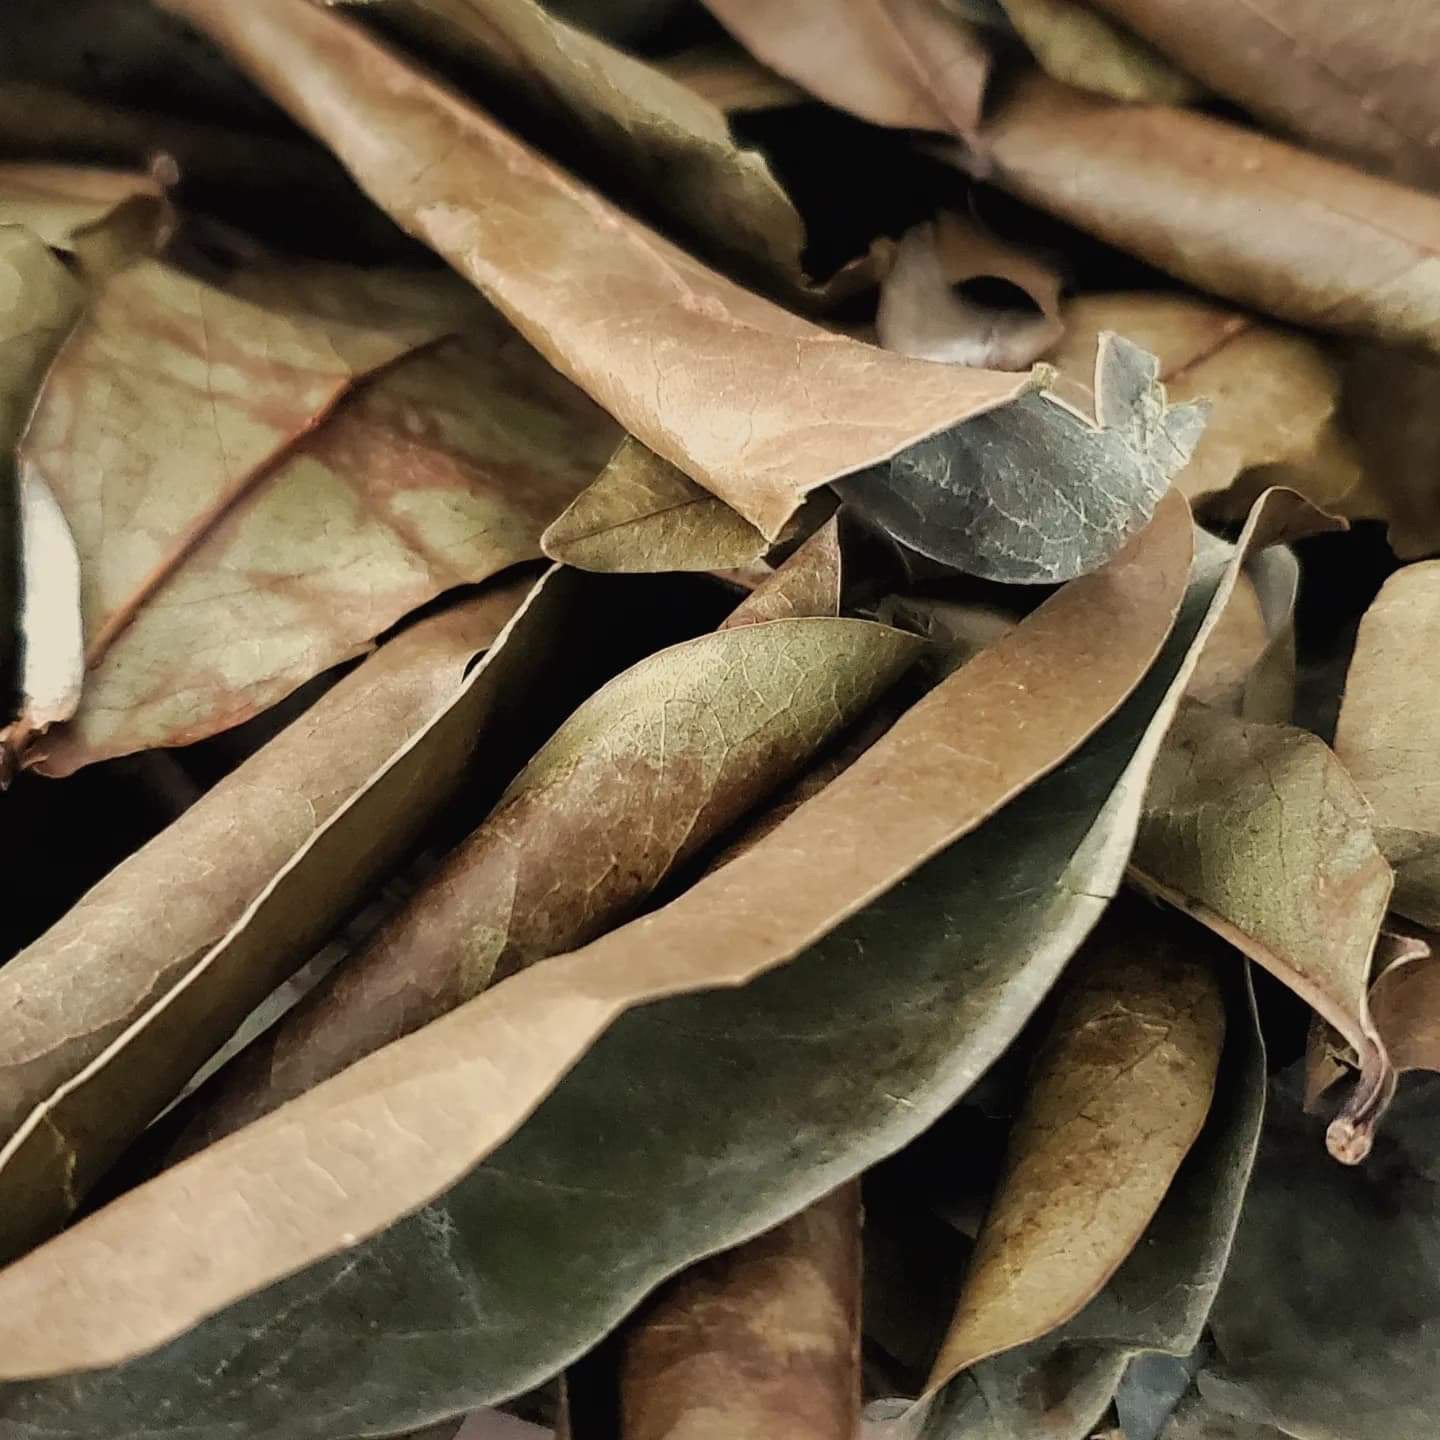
{"x":240,"y":528}
{"x":1405,"y":1001}
{"x":91,"y":995}
{"x":730,"y":79}
{"x":1354,"y":79}
{"x":905,"y":800}
{"x":641,"y":514}
{"x":1117,"y":1096}
{"x":808,"y":583}
{"x":924,"y":311}
{"x":754,"y":403}
{"x":904,"y":63}
{"x":674,"y":146}
{"x":689,"y":739}
{"x":105,"y":218}
{"x":1388,"y":734}
{"x":1226,"y":209}
{"x":1071,"y":42}
{"x":1258,"y":832}
{"x":757,"y":1343}
{"x":1274,"y":394}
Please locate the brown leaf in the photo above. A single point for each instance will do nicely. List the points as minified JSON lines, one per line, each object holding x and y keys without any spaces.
{"x":904,"y":63}
{"x":900,"y":804}
{"x":1388,"y":734}
{"x":672,"y":145}
{"x":643,"y":515}
{"x":1258,"y":832}
{"x":730,"y":79}
{"x":756,"y":404}
{"x":1405,"y":1003}
{"x":1071,"y":42}
{"x":1357,"y":80}
{"x":1274,"y":394}
{"x":105,"y":218}
{"x":925,"y":312}
{"x":285,"y":520}
{"x":757,"y":1343}
{"x":689,"y":739}
{"x":808,"y":583}
{"x":1226,"y":209}
{"x":1118,"y":1094}
{"x":119,"y":987}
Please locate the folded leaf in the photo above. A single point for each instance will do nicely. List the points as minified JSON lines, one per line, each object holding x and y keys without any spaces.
{"x":1073,"y":43}
{"x":148,"y":975}
{"x":1388,"y":733}
{"x":752,"y":402}
{"x":925,"y":312}
{"x":465,"y":1082}
{"x":1355,"y":80}
{"x":1038,"y":492}
{"x":1274,"y":394}
{"x":756,"y":1342}
{"x":1226,"y":209}
{"x":1324,"y":1325}
{"x":1258,"y":832}
{"x":810,"y":582}
{"x":1118,"y":1095}
{"x":641,"y":514}
{"x":282,"y":529}
{"x":904,"y":63}
{"x":689,"y":739}
{"x":39,"y":300}
{"x":730,"y":79}
{"x":105,"y":218}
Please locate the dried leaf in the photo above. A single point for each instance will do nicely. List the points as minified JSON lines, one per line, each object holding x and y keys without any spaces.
{"x":39,"y":301}
{"x":120,"y":988}
{"x":904,"y":63}
{"x":1274,"y":394}
{"x":1388,"y":733}
{"x":925,"y":312}
{"x":278,"y":510}
{"x":673,"y":146}
{"x":808,"y":583}
{"x":1258,"y":832}
{"x":757,"y":1342}
{"x":1037,"y":491}
{"x":754,"y":403}
{"x":1325,"y":1323}
{"x":1356,"y":80}
{"x":908,"y":798}
{"x":641,"y":514}
{"x":730,"y":79}
{"x":1226,"y":209}
{"x":105,"y":218}
{"x":1117,"y":1097}
{"x":690,"y":738}
{"x":1071,"y":42}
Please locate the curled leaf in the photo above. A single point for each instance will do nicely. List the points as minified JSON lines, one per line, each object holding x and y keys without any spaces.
{"x":924,"y":310}
{"x":1038,"y":492}
{"x":1226,"y":209}
{"x":1258,"y":832}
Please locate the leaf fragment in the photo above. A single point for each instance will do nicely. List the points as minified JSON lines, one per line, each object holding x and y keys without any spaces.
{"x":756,"y":404}
{"x":1258,"y":832}
{"x":1117,"y":1097}
{"x":1037,"y":492}
{"x":491,"y":1062}
{"x":1227,"y":209}
{"x":904,"y":63}
{"x":641,"y":514}
{"x":924,"y":311}
{"x":762,"y":1340}
{"x":287,"y":520}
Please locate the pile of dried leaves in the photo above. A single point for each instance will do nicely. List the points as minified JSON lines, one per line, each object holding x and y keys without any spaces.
{"x":721,"y":720}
